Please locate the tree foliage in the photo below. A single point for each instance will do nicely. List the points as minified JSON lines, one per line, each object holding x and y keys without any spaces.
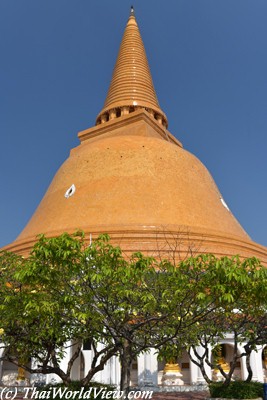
{"x":67,"y":292}
{"x":240,"y":287}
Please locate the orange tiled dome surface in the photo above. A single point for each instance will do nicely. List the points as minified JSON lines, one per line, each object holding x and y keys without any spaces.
{"x":133,"y":183}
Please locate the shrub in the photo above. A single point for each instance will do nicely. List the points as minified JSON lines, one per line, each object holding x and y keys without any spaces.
{"x":236,"y":390}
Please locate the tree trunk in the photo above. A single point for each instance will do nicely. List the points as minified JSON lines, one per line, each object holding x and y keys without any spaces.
{"x":200,"y":363}
{"x":204,"y":373}
{"x":101,"y":357}
{"x":250,"y":372}
{"x":126,"y":363}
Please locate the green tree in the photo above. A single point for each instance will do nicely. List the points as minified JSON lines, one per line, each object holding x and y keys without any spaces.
{"x":142,"y":303}
{"x":39,"y":316}
{"x":240,"y":287}
{"x":67,"y":292}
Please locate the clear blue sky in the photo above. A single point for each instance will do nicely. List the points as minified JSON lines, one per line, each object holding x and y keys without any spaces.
{"x":208,"y":60}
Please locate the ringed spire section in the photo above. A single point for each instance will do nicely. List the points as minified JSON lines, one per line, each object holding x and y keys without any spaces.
{"x":131,"y":86}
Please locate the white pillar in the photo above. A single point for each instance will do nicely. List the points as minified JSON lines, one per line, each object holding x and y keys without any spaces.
{"x":141,"y":369}
{"x":115,"y":371}
{"x":196,"y":374}
{"x":76,"y":367}
{"x":148,"y":368}
{"x":256,"y":364}
{"x":87,"y":355}
{"x":244,"y":371}
{"x":111,"y":372}
{"x":193,"y":373}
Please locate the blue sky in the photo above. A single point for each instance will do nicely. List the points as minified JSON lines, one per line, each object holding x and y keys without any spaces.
{"x":208,"y":59}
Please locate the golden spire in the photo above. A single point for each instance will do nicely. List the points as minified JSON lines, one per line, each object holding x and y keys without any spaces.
{"x":131,"y":85}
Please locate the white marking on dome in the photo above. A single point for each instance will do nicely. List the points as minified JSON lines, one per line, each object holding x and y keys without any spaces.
{"x":70,"y":191}
{"x":236,"y":311}
{"x":224,"y":204}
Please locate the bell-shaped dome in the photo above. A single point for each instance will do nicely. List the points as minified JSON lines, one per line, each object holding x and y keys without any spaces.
{"x":131,"y":178}
{"x":128,"y":179}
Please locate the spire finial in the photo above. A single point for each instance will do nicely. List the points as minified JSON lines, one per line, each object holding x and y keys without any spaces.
{"x":132,"y":14}
{"x":131,"y":86}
